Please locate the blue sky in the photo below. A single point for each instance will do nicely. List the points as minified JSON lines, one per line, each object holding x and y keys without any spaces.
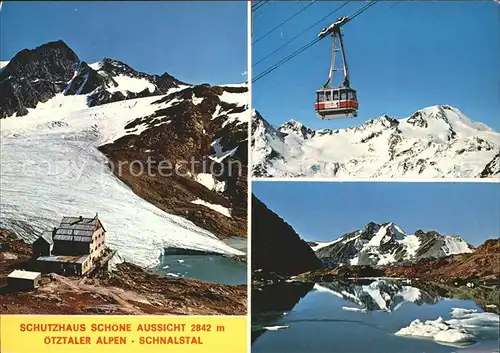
{"x":194,"y":41}
{"x":402,"y":57}
{"x":324,"y":211}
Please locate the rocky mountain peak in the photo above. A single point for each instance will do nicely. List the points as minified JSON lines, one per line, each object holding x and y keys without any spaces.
{"x":36,"y":75}
{"x":53,"y":61}
{"x":387,"y":243}
{"x":453,"y":117}
{"x":115,"y":67}
{"x":296,"y":127}
{"x":394,"y":231}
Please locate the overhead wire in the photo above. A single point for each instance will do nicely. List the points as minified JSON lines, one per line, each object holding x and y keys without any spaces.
{"x":311,"y":43}
{"x":281,"y":62}
{"x":301,"y":33}
{"x":285,"y":21}
{"x":262,"y":4}
{"x":265,"y":10}
{"x":259,"y":4}
{"x":255,"y":3}
{"x":363,"y":9}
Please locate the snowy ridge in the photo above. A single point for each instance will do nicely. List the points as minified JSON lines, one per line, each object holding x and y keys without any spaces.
{"x":387,"y":244}
{"x":51,"y":168}
{"x":435,"y":142}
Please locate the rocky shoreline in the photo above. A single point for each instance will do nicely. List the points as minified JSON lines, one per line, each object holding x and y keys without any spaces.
{"x":126,"y":289}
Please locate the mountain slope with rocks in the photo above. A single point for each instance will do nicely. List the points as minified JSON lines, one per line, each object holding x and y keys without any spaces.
{"x":164,"y":163}
{"x":434,"y":142}
{"x":276,"y":247}
{"x":387,"y":244}
{"x":482,"y":263}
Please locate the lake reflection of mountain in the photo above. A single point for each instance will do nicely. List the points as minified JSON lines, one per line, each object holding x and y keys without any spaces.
{"x":348,"y":317}
{"x":369,"y":295}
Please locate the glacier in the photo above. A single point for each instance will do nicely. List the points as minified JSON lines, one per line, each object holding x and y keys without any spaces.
{"x":51,"y":167}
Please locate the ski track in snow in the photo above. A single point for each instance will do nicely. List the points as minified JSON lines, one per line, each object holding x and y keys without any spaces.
{"x":50,"y":168}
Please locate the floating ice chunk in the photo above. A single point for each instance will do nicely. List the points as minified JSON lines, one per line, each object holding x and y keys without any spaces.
{"x":463,"y":328}
{"x":349,"y":308}
{"x":275,"y":328}
{"x":470,"y":318}
{"x":438,"y":330}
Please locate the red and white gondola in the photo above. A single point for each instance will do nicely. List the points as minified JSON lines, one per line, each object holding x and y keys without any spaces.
{"x":336,"y":102}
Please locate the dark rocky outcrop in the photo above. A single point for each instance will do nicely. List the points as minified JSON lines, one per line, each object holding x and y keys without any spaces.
{"x":492,"y":168}
{"x":276,"y":247}
{"x":34,"y":76}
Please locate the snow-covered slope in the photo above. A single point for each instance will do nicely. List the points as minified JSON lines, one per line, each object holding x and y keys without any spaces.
{"x":60,"y":156}
{"x":437,"y":141}
{"x":50,"y":167}
{"x":387,"y":244}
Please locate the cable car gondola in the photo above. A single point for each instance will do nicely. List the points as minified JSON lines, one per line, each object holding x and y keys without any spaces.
{"x":336,"y":102}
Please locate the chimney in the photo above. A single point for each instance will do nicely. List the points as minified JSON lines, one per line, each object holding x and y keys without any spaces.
{"x":54,"y":230}
{"x":81,"y":218}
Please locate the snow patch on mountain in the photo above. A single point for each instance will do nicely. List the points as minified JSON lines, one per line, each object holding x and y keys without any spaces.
{"x":131,"y":84}
{"x":454,"y":246}
{"x":219,"y":208}
{"x":322,"y":245}
{"x":437,"y":141}
{"x":3,"y":64}
{"x":209,"y":181}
